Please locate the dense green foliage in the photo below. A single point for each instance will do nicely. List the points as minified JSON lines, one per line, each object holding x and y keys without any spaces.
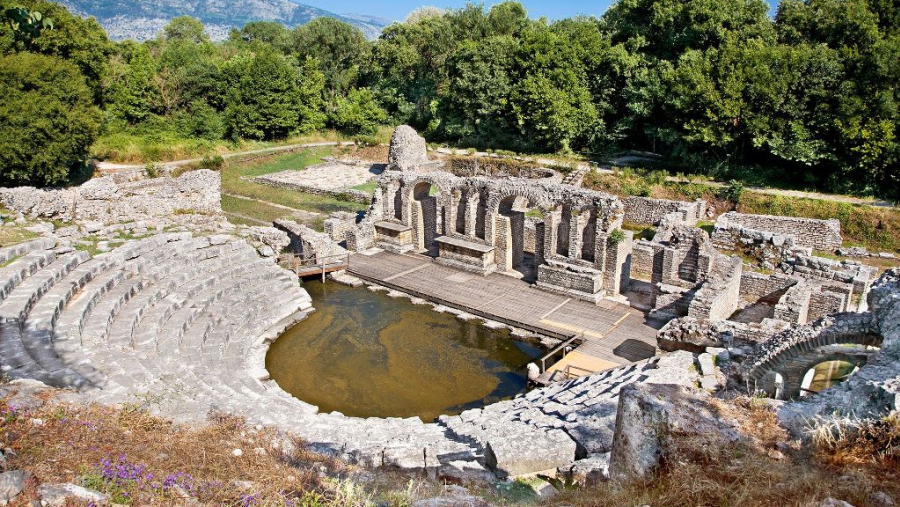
{"x":805,"y":99}
{"x":47,"y":119}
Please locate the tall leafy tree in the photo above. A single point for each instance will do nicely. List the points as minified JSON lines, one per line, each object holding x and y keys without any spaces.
{"x":72,"y":38}
{"x":47,"y":119}
{"x":272,"y":98}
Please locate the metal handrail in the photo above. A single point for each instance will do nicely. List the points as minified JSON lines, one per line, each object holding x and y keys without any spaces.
{"x":561,"y":346}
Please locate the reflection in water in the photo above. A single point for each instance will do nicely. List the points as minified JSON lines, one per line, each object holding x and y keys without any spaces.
{"x":365,"y":354}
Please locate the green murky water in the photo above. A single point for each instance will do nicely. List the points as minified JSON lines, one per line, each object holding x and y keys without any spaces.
{"x":366,"y":354}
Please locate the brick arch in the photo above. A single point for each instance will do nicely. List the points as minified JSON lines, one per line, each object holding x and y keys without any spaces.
{"x":793,"y":352}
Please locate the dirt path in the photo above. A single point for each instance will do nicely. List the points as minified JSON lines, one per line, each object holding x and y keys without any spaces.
{"x":109,"y":167}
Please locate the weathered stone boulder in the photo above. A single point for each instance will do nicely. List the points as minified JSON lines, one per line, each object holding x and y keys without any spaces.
{"x":651,"y":417}
{"x":11,"y":485}
{"x":59,"y":495}
{"x":407,"y":149}
{"x":693,"y":335}
{"x":525,"y":450}
{"x":277,"y":239}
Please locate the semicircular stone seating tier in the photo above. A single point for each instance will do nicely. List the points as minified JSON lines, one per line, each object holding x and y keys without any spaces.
{"x":792,"y":353}
{"x":181,"y":325}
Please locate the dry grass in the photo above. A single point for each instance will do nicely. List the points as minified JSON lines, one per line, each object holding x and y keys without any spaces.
{"x":65,"y":443}
{"x":753,"y":472}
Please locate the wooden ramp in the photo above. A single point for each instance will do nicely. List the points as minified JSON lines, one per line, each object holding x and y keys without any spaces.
{"x":612,"y":332}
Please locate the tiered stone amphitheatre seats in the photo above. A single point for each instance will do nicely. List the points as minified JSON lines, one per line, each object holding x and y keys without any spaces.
{"x":583,"y":408}
{"x":181,"y":323}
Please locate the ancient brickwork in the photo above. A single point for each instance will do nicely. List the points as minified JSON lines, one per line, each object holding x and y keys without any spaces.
{"x":571,"y":243}
{"x":647,"y":211}
{"x":718,"y":298}
{"x":818,"y":234}
{"x":756,"y":286}
{"x":338,"y":224}
{"x":833,"y":273}
{"x":102,"y":200}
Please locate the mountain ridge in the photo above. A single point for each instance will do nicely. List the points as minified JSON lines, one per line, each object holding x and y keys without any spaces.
{"x":143,"y":19}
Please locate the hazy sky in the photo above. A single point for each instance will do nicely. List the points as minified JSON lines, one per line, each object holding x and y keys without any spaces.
{"x":398,"y":9}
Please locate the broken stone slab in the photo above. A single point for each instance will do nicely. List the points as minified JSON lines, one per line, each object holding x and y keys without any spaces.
{"x":588,"y":472}
{"x":650,"y":417}
{"x":525,"y":450}
{"x":464,"y":471}
{"x":707,"y":364}
{"x":58,"y":495}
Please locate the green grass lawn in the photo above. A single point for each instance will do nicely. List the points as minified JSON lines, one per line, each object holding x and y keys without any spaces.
{"x":234,"y":185}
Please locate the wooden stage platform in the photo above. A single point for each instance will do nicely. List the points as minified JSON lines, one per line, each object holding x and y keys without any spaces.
{"x":613,"y":333}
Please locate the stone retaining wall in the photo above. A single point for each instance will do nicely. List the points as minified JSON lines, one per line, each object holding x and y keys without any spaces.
{"x":103,"y":200}
{"x":818,"y":234}
{"x":647,"y":211}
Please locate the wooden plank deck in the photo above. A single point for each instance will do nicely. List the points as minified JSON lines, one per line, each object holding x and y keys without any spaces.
{"x":614,"y":333}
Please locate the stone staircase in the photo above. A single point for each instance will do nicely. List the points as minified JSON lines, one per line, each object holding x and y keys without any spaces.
{"x":581,"y":409}
{"x":575,"y":177}
{"x":181,"y":325}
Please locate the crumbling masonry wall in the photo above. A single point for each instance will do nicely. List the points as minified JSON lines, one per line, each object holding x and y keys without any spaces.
{"x":648,"y":211}
{"x":817,"y":234}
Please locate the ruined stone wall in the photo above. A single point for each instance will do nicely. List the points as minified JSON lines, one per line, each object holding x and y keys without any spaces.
{"x":768,"y":247}
{"x":530,"y":234}
{"x":823,"y":302}
{"x":102,"y":200}
{"x":719,"y":296}
{"x":647,"y":211}
{"x":756,"y":286}
{"x":338,"y":224}
{"x":833,"y":273}
{"x":818,"y":234}
{"x":793,"y":306}
{"x":309,"y":243}
{"x":646,"y":259}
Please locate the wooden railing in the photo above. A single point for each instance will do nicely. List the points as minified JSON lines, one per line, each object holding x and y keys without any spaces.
{"x":312,"y":265}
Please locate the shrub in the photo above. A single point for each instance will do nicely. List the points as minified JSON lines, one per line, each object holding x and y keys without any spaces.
{"x":215,"y":162}
{"x":733,"y":192}
{"x":616,"y":236}
{"x":47,"y":120}
{"x":151,"y":170}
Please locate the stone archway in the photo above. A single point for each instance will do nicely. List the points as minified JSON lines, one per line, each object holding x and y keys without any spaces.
{"x":509,"y":235}
{"x":792,"y":353}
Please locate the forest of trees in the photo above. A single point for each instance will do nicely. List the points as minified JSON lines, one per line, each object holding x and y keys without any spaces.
{"x":717,"y":86}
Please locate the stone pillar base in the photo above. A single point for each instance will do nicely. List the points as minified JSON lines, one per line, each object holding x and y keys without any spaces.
{"x":573,"y":281}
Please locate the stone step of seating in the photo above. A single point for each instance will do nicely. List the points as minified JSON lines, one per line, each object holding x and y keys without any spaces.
{"x":11,"y":252}
{"x":47,"y":310}
{"x":99,"y":322}
{"x":23,"y":267}
{"x":203,"y":272}
{"x":584,"y":408}
{"x":15,"y":359}
{"x":243,"y":263}
{"x":20,"y":301}
{"x":169,"y":335}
